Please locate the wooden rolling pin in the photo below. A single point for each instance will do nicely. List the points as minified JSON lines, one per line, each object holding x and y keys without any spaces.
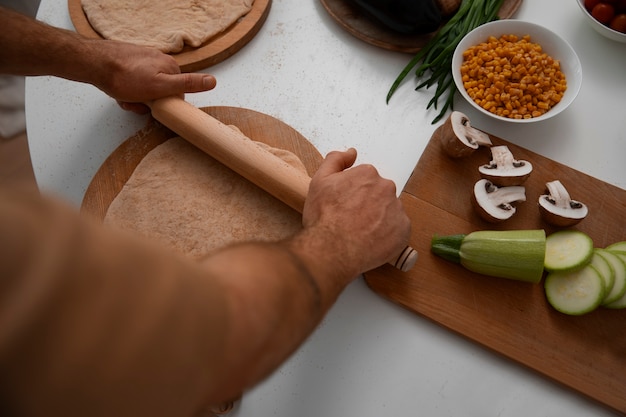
{"x":233,"y":149}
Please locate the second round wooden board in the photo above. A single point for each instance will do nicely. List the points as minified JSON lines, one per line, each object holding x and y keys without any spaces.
{"x":214,"y":51}
{"x":119,"y":166}
{"x":365,"y":28}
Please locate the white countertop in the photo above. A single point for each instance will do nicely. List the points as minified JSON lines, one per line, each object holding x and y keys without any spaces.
{"x":369,"y":357}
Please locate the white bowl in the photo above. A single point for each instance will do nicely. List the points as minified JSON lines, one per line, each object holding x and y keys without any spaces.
{"x":551,"y":43}
{"x":603,"y":30}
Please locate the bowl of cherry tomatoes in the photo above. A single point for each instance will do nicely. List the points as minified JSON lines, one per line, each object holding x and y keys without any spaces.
{"x":607,"y":17}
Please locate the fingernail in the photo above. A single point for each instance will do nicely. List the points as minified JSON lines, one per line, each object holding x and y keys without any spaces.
{"x":208,"y":81}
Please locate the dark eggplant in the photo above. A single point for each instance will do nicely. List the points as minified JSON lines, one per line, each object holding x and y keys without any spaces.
{"x":409,"y":17}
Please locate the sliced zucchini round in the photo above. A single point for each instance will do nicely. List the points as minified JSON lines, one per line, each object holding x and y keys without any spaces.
{"x":620,"y":302}
{"x":605,"y":270}
{"x":567,"y":250}
{"x":619,"y":268}
{"x":575,"y":292}
{"x":617,"y":247}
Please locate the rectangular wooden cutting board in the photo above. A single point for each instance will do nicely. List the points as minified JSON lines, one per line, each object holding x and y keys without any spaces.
{"x":586,"y":353}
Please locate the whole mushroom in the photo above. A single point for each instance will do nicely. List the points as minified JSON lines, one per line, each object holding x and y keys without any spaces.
{"x":458,"y":138}
{"x":558,"y":209}
{"x":504,"y":170}
{"x":493,"y":203}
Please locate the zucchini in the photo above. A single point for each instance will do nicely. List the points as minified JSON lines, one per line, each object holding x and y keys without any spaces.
{"x":568,"y":250}
{"x":575,"y":292}
{"x":619,"y":268}
{"x":512,"y":254}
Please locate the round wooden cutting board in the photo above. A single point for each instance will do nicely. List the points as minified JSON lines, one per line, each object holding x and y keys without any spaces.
{"x":215,"y":50}
{"x":118,"y":167}
{"x":372,"y":32}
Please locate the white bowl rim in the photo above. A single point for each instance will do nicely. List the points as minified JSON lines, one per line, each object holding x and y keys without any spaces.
{"x":573,"y":72}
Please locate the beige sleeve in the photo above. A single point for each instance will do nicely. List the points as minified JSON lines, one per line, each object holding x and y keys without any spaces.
{"x":93,"y":324}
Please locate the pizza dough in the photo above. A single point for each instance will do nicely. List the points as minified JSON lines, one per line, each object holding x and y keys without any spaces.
{"x":167,"y":25}
{"x":186,"y":199}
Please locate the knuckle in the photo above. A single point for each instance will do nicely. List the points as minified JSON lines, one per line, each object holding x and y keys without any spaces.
{"x":369,"y":169}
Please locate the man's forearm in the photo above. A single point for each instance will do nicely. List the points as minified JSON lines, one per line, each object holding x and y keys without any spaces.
{"x":31,"y":47}
{"x":131,"y":74}
{"x":278,"y":297}
{"x":134,"y":330}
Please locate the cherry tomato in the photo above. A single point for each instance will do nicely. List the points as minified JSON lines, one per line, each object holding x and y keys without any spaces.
{"x":590,"y":4}
{"x":619,"y":23}
{"x":603,"y":13}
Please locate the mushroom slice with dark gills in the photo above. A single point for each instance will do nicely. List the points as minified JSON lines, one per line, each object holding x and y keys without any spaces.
{"x":503,"y":169}
{"x":495,"y":204}
{"x":558,"y":209}
{"x":458,"y":138}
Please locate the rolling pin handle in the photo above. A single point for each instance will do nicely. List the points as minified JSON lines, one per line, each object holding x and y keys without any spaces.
{"x":406,"y":260}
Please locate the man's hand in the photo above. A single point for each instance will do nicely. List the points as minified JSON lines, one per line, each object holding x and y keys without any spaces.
{"x":136,"y":74}
{"x":354,"y":213}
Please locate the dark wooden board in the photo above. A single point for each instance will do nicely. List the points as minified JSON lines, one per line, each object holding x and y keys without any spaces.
{"x":586,"y":353}
{"x":119,"y":166}
{"x":367,"y":29}
{"x":214,"y":51}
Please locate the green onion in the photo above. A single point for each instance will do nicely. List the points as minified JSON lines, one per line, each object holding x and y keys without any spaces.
{"x":435,"y":58}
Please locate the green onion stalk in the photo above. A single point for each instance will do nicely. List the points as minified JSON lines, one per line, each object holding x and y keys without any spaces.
{"x":435,"y":58}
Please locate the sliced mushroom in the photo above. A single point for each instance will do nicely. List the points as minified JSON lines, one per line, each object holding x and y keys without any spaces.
{"x":504,"y":170}
{"x":495,"y":204}
{"x":458,"y":137}
{"x":558,"y":209}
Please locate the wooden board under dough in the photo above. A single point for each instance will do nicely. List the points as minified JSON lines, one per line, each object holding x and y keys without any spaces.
{"x":118,"y":167}
{"x":585,"y":353}
{"x":215,"y":50}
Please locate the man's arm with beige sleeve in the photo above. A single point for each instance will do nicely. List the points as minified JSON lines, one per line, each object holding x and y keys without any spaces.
{"x":92,"y":323}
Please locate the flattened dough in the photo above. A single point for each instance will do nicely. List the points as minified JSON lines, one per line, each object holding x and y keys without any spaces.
{"x":167,"y":25}
{"x":184,"y":198}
